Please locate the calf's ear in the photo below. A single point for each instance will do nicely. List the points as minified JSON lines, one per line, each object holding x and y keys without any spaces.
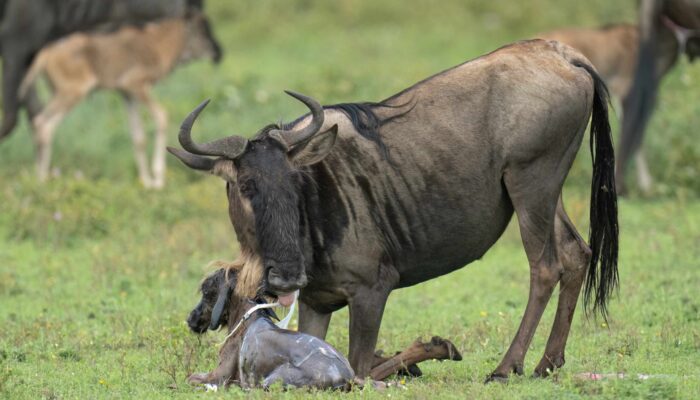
{"x":315,"y":149}
{"x":221,"y":302}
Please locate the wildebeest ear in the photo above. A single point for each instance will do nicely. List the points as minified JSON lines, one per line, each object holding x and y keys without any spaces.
{"x":225,"y":169}
{"x":315,"y":149}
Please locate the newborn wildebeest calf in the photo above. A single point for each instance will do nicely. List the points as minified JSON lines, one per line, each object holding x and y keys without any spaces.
{"x":258,"y":353}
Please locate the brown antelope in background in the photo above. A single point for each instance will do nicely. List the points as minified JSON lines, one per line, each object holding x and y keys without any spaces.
{"x":130,"y":60}
{"x":613,"y":50}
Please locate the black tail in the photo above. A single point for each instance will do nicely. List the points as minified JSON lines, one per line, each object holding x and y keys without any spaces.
{"x":602,"y":276}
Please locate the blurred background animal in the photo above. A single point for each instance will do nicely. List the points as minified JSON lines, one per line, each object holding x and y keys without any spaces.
{"x":613,"y":51}
{"x":130,"y":60}
{"x":659,"y":22}
{"x":27,"y":26}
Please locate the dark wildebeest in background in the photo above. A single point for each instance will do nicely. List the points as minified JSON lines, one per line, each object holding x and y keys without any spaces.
{"x":29,"y":25}
{"x":357,"y":200}
{"x":655,"y":18}
{"x":613,"y":51}
{"x":130,"y":60}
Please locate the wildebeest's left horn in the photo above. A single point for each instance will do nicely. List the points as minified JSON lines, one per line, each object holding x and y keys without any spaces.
{"x":192,"y":160}
{"x":229,"y":147}
{"x":291,"y":138}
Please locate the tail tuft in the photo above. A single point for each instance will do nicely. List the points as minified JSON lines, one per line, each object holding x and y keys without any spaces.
{"x":602,"y":278}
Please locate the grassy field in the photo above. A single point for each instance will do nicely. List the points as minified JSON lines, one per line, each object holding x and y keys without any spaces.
{"x":97,"y":275}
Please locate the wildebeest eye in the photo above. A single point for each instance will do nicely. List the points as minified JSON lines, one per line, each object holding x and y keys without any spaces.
{"x":247,"y":187}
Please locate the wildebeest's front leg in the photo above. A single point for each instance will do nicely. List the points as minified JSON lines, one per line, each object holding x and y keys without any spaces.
{"x":226,"y":371}
{"x":313,"y":322}
{"x":366,"y":310}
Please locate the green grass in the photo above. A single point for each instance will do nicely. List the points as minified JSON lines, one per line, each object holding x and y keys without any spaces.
{"x":97,"y":275}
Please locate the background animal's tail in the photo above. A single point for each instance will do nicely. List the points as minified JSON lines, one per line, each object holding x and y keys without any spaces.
{"x":640,"y":100}
{"x":37,"y":67}
{"x":602,"y":277}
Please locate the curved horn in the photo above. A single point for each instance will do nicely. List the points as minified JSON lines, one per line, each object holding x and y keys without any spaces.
{"x":193,"y":161}
{"x":229,"y":147}
{"x":291,"y":138}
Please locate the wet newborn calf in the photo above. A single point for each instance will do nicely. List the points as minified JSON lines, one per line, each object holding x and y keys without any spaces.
{"x":258,"y":353}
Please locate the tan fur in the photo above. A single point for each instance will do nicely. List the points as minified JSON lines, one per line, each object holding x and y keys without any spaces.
{"x":130,"y":60}
{"x":249,"y":269}
{"x":250,"y":276}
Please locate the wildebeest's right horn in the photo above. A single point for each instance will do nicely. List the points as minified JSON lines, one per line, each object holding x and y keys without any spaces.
{"x":229,"y":147}
{"x":291,"y":138}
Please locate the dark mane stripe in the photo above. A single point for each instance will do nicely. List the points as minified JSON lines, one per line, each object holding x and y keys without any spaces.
{"x":364,"y":119}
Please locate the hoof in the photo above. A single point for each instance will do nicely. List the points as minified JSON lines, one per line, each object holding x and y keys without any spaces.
{"x":197,"y":379}
{"x":412,"y":371}
{"x":498,"y":378}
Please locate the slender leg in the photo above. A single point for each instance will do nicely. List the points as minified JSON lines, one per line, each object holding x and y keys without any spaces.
{"x":45,"y":125}
{"x":575,"y":256}
{"x":313,"y":322}
{"x":366,"y":310}
{"x":643,"y":175}
{"x":535,"y":205}
{"x":160,"y":116}
{"x":139,"y":139}
{"x":33,"y":102}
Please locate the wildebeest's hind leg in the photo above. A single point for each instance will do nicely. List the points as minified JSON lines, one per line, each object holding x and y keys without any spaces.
{"x":534,"y":190}
{"x":575,"y":255}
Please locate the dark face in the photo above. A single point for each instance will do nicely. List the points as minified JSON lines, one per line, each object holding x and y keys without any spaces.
{"x":264,"y":208}
{"x":216,"y":292}
{"x":264,"y":190}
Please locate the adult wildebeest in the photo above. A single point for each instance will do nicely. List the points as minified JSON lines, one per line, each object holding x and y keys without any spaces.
{"x":27,"y":26}
{"x":613,"y":51}
{"x":357,"y":200}
{"x":655,"y":16}
{"x":130,"y":60}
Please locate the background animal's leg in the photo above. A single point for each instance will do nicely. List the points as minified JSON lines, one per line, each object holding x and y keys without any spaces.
{"x":534,"y":195}
{"x":33,"y":102}
{"x":312,"y":322}
{"x":160,"y":116}
{"x":45,"y":125}
{"x":643,"y":175}
{"x":366,"y":310}
{"x":139,"y":140}
{"x":575,"y":255}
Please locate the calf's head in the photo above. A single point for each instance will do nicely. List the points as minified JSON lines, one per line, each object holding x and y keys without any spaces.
{"x":264,"y":190}
{"x":213,"y":308}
